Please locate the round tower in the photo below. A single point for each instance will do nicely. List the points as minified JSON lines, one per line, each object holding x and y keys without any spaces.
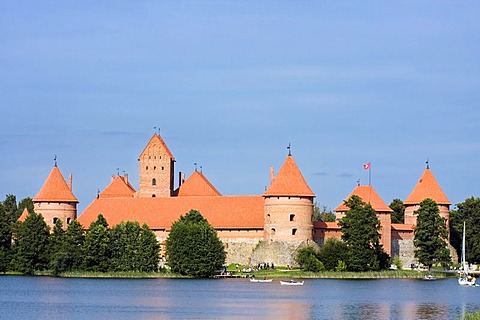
{"x":288,"y":206}
{"x":55,"y":200}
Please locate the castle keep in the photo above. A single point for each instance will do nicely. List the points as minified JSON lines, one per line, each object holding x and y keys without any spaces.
{"x":258,"y":228}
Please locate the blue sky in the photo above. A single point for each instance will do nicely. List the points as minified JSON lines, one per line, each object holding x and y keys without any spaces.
{"x":232,"y":83}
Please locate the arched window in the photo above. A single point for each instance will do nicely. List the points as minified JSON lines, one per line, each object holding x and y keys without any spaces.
{"x":55,"y":219}
{"x":153,"y":195}
{"x":69,"y":220}
{"x":154,"y":182}
{"x":292,"y":216}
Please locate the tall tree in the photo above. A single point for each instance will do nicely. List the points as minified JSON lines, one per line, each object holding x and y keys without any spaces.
{"x":398,"y":214}
{"x":193,"y":247}
{"x":57,"y":240}
{"x":468,"y":211}
{"x":5,"y":238}
{"x":431,"y":235}
{"x":97,"y":246}
{"x":149,"y":255}
{"x":360,"y":231}
{"x":32,"y":244}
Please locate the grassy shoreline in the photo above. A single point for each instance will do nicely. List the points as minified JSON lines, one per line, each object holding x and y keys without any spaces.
{"x":276,"y":274}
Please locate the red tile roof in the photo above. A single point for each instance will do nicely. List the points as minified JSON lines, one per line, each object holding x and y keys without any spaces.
{"x":289,"y":181}
{"x":222,"y":212}
{"x":368,"y":195}
{"x":197,"y":185}
{"x":157,"y":139}
{"x":326,"y":225}
{"x":427,"y":187}
{"x":55,"y":189}
{"x":119,"y":187}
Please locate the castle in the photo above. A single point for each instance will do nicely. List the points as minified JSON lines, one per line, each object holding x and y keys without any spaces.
{"x":259,"y":228}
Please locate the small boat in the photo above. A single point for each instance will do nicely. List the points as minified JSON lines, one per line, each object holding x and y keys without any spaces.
{"x":291,"y":283}
{"x":465,"y":278}
{"x":260,"y":280}
{"x":429,"y":278}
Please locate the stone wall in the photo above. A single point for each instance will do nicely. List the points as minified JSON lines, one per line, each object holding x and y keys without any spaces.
{"x":280,"y":253}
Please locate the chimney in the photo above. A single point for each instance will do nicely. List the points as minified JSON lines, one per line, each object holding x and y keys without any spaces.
{"x":180,"y":179}
{"x":70,"y":182}
{"x":125,"y":176}
{"x":272,"y":174}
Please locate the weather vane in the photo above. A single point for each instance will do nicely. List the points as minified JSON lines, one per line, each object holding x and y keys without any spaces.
{"x":428,"y":167}
{"x":289,"y":148}
{"x":55,"y":159}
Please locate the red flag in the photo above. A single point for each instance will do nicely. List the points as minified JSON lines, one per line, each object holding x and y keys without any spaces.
{"x":366,"y":166}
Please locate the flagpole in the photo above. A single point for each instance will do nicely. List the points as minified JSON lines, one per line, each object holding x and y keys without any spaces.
{"x":370,"y":174}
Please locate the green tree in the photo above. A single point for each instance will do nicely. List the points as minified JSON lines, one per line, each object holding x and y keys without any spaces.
{"x":360,"y":231}
{"x":307,"y":258}
{"x":193,"y":247}
{"x":134,"y":248}
{"x":57,"y":240}
{"x":398,"y":214}
{"x":468,"y":211}
{"x":5,"y":239}
{"x":32,"y":244}
{"x":332,"y":251}
{"x":97,"y":246}
{"x":430,"y":235}
{"x":322,"y":214}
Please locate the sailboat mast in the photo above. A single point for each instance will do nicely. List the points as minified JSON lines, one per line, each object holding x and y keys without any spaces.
{"x":464,"y":262}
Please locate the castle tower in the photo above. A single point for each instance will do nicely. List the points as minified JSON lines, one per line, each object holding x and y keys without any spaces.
{"x":55,"y":199}
{"x":426,"y":187}
{"x":288,"y":205}
{"x":156,"y":169}
{"x":383,"y":211}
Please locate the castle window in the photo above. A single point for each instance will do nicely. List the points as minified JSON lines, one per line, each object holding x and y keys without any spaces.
{"x":294,"y":231}
{"x":154,"y":182}
{"x":146,"y":168}
{"x":273,"y":231}
{"x":292,"y":216}
{"x":69,"y":220}
{"x":154,"y":167}
{"x":153,"y":195}
{"x":55,"y":220}
{"x":163,"y":167}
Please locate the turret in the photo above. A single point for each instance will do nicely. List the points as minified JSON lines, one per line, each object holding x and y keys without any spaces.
{"x":55,"y":200}
{"x":288,"y":205}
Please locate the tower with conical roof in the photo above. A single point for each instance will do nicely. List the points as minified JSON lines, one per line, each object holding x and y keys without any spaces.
{"x":426,"y":187}
{"x":156,"y":168}
{"x":383,"y":211}
{"x":55,"y":199}
{"x":288,"y":209}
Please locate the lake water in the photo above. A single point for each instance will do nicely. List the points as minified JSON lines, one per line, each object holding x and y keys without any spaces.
{"x":23,"y":297}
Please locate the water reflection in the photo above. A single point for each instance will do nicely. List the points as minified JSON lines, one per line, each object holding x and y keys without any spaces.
{"x":52,"y":298}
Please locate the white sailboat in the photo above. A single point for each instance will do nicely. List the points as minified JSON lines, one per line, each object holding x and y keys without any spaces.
{"x":465,"y":278}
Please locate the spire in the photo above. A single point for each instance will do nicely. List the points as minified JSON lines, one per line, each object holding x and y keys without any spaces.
{"x":55,"y":189}
{"x":427,"y":164}
{"x":289,"y":148}
{"x":289,"y":181}
{"x":55,"y":159}
{"x":427,"y":187}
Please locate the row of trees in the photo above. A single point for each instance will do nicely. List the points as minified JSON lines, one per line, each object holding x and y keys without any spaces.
{"x":29,"y":246}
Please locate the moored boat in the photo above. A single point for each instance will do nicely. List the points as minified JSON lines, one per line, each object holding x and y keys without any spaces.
{"x":291,"y":283}
{"x":260,"y":280}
